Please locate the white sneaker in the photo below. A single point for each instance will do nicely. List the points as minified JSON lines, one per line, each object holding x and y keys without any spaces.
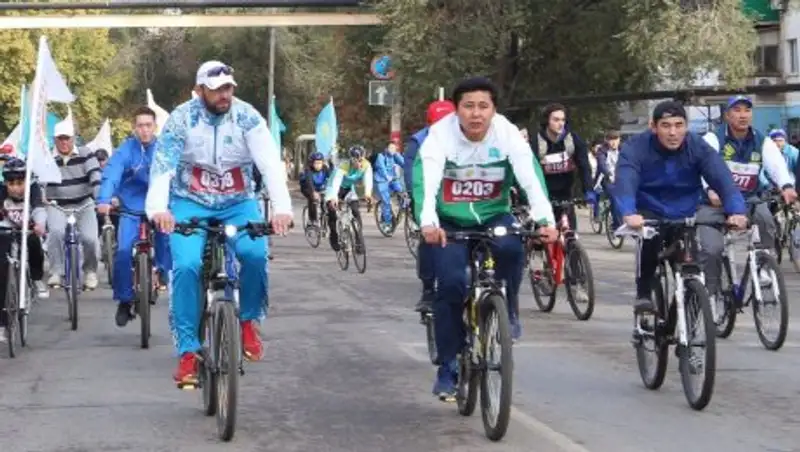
{"x":54,"y":281}
{"x":41,"y":290}
{"x":90,"y":280}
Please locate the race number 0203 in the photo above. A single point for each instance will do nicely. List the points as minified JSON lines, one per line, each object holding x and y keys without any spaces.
{"x":474,"y":188}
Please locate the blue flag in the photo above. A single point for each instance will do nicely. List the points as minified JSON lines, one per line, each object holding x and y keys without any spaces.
{"x":276,"y":126}
{"x":327,"y":130}
{"x":25,"y":113}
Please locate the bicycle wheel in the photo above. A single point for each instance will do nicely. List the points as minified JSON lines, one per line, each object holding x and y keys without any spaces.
{"x":724,"y":303}
{"x":467,"y":385}
{"x":543,"y":281}
{"x":496,"y":331}
{"x":579,"y":272}
{"x":382,"y":228}
{"x":411,"y":234}
{"x":144,"y":283}
{"x":697,"y":304}
{"x":12,"y":308}
{"x":608,"y":220}
{"x":343,"y":255}
{"x":430,"y":336}
{"x":228,"y":349}
{"x":207,"y":373}
{"x":306,"y":223}
{"x":652,"y":350}
{"x":596,"y":222}
{"x":793,"y":243}
{"x":74,"y":285}
{"x":108,"y":252}
{"x":310,"y":230}
{"x":359,"y":253}
{"x":773,"y":295}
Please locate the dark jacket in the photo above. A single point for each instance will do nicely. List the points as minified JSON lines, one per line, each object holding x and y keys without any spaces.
{"x":561,"y":185}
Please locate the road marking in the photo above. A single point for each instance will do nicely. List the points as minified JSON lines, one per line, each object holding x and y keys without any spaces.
{"x":560,"y":440}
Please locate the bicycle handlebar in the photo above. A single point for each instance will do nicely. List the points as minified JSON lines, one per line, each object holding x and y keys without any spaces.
{"x":68,"y":210}
{"x":253,"y":229}
{"x":491,"y":233}
{"x":567,"y":202}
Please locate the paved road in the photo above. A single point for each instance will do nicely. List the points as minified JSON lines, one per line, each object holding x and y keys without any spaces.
{"x":346,"y":370}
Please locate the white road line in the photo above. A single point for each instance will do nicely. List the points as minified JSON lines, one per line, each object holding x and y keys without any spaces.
{"x":560,"y":440}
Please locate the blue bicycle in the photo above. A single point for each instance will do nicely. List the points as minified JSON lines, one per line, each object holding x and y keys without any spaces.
{"x":72,"y":259}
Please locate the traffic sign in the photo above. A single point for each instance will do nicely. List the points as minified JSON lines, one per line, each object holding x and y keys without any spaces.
{"x":381,"y":67}
{"x":381,"y":93}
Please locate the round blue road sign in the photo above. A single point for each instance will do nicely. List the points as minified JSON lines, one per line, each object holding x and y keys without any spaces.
{"x":381,"y":67}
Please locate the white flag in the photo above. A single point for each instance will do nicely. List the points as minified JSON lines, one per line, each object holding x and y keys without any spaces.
{"x":161,"y":114}
{"x":103,"y":139}
{"x":14,"y":137}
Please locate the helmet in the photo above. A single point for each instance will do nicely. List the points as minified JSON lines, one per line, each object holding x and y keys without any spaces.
{"x":14,"y":169}
{"x":316,"y":156}
{"x":356,"y":152}
{"x":101,"y":154}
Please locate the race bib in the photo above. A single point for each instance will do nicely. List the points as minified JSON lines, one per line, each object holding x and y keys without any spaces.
{"x":209,"y":182}
{"x":557,"y":163}
{"x":13,"y":212}
{"x":745,"y":175}
{"x":472,"y":184}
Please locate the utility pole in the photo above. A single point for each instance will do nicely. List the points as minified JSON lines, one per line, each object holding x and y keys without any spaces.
{"x":271,"y":83}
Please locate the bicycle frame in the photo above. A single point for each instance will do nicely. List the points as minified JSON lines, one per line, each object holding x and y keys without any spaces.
{"x":558,"y":249}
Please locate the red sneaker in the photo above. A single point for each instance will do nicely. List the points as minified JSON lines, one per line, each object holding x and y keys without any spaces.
{"x":251,"y":341}
{"x":186,"y":373}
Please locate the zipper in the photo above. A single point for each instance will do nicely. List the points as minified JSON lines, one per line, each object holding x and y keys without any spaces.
{"x":215,"y":145}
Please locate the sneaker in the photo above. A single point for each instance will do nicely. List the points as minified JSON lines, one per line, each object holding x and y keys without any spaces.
{"x":90,"y":281}
{"x":124,"y":314}
{"x":425,"y":303}
{"x":186,"y":373}
{"x":446,"y":379}
{"x":42,"y":292}
{"x":251,"y":341}
{"x":516,"y":329}
{"x":54,"y":281}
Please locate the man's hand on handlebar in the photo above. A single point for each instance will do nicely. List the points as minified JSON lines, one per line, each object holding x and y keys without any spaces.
{"x":104,"y":209}
{"x":737,"y":222}
{"x":281,"y":223}
{"x":165,"y":222}
{"x":434,"y":235}
{"x":548,"y":234}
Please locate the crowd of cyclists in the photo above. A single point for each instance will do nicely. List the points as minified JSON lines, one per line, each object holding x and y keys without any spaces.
{"x":470,"y":169}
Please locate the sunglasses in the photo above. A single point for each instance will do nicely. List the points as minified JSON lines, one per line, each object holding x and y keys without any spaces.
{"x":219,"y":70}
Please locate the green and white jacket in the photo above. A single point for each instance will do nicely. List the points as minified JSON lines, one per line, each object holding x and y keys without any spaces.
{"x":467,"y":183}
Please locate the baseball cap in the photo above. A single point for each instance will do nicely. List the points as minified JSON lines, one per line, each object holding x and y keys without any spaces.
{"x":438,"y":110}
{"x":777,"y":133}
{"x":740,"y":99}
{"x":668,"y":109}
{"x":64,"y":128}
{"x":214,"y":74}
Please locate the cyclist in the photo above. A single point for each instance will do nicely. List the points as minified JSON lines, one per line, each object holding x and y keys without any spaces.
{"x":387,"y":181}
{"x":790,"y":154}
{"x":607,"y":157}
{"x":312,"y":183}
{"x":425,"y":267}
{"x":356,"y":169}
{"x":563,"y":156}
{"x":476,"y":147}
{"x":102,"y":158}
{"x":203,"y":168}
{"x":658,"y":176}
{"x":128,"y":175}
{"x":12,"y":198}
{"x":80,"y":184}
{"x":746,"y":152}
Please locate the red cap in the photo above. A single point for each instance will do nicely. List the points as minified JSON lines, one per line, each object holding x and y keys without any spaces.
{"x":7,"y":149}
{"x":438,"y":110}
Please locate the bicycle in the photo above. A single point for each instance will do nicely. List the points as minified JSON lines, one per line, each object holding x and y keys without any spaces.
{"x":731,"y":294}
{"x":16,"y":312}
{"x":351,"y":238}
{"x":411,"y":229}
{"x":313,"y":232}
{"x":788,"y":235}
{"x":402,"y":201}
{"x":145,"y":282}
{"x":221,"y":362}
{"x":563,"y":262}
{"x":72,"y":260}
{"x":486,"y":318}
{"x":109,"y":240}
{"x":690,"y":300}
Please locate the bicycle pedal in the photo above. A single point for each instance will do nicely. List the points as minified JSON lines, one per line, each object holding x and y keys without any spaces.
{"x":188,"y":386}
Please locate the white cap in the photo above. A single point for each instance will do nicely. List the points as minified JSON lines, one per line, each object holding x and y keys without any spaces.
{"x":64,"y":128}
{"x":219,"y":79}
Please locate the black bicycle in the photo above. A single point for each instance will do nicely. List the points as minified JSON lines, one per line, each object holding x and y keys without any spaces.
{"x":398,"y":204}
{"x":487,"y":346}
{"x":145,"y":282}
{"x":676,"y":322}
{"x":108,"y":234}
{"x":16,"y":312}
{"x":221,"y":361}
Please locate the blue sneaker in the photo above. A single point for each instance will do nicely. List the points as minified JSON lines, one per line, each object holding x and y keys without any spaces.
{"x":446,"y":379}
{"x":516,"y":329}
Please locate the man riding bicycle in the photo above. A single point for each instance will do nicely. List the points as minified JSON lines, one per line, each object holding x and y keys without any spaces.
{"x":203,"y":169}
{"x":356,"y":169}
{"x":462,"y":179}
{"x":387,"y":181}
{"x":312,"y":183}
{"x":128,"y":176}
{"x":659,"y":175}
{"x":12,"y":198}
